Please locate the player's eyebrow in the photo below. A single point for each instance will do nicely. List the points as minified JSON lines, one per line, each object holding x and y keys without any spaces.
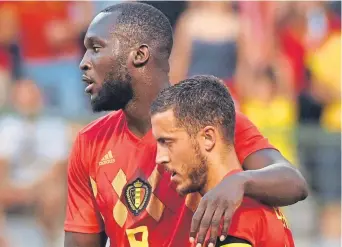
{"x":94,"y":39}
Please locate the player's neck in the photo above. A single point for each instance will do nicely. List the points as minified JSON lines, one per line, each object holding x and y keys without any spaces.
{"x":219,"y":166}
{"x":138,"y":110}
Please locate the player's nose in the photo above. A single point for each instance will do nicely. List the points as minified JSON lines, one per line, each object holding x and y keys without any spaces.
{"x":85,"y":63}
{"x":162,"y":158}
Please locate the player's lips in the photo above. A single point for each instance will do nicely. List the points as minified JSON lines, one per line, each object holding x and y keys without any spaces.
{"x":90,"y":83}
{"x":173,"y":173}
{"x":175,"y":178}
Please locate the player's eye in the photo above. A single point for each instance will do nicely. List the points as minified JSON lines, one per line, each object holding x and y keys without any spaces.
{"x":164,"y":142}
{"x":161,"y":141}
{"x":96,"y":49}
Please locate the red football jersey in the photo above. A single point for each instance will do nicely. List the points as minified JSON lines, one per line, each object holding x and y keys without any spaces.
{"x":260,"y":225}
{"x":115,"y":185}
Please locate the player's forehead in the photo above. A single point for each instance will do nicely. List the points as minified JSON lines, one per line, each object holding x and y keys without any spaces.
{"x":164,"y":123}
{"x":102,"y":27}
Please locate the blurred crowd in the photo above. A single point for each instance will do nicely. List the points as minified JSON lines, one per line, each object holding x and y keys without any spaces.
{"x":280,"y":60}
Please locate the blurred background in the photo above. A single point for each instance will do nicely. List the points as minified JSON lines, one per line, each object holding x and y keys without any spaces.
{"x":281,"y":61}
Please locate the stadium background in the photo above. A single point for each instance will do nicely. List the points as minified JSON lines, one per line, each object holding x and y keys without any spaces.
{"x":281,"y":61}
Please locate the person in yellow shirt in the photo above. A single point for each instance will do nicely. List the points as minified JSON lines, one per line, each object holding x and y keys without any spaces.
{"x":325,"y":66}
{"x":273,"y":112}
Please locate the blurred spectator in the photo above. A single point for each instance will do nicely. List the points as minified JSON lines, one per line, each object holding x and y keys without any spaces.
{"x":101,"y":5}
{"x":325,"y":64}
{"x":7,"y":36}
{"x":257,"y":33}
{"x":261,"y":57}
{"x":302,"y":27}
{"x":8,"y":28}
{"x":335,"y":7}
{"x":320,"y":22}
{"x":33,"y":150}
{"x":172,"y":9}
{"x":4,"y":87}
{"x":205,"y":42}
{"x":272,"y":110}
{"x":48,"y":34}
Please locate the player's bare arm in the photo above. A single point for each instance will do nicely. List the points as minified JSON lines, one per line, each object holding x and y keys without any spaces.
{"x":271,"y":179}
{"x":73,"y":239}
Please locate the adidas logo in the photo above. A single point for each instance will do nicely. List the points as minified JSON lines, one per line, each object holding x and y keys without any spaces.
{"x":107,"y":159}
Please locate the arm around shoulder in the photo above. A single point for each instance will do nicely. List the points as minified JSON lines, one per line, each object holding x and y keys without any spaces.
{"x":269,"y":177}
{"x":272,"y":179}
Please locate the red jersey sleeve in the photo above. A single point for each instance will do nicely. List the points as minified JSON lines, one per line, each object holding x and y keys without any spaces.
{"x":248,"y":222}
{"x":81,"y":213}
{"x":248,"y":139}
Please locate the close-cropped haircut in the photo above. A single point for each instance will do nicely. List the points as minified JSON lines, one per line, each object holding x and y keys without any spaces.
{"x":198,"y":102}
{"x":143,"y":24}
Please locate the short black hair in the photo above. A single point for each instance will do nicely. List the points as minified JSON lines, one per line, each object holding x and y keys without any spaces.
{"x":143,"y":23}
{"x":198,"y":102}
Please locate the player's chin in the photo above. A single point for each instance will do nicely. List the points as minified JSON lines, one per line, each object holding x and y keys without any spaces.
{"x":93,"y":97}
{"x":96,"y":105}
{"x":183,"y":189}
{"x":99,"y":105}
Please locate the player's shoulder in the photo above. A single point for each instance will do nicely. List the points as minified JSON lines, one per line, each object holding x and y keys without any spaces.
{"x":257,"y":223}
{"x":242,"y":122}
{"x":257,"y":213}
{"x":240,"y":116}
{"x":102,"y":124}
{"x":250,"y":203}
{"x":249,"y":206}
{"x":248,"y":221}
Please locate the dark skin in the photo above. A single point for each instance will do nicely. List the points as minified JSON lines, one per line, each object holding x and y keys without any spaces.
{"x":75,"y":239}
{"x":276,"y":185}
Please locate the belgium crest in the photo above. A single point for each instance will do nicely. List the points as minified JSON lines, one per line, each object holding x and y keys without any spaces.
{"x":137,"y":195}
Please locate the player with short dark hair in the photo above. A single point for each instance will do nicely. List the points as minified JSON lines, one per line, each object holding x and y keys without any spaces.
{"x":115,"y":188}
{"x":125,"y":26}
{"x":194,"y":124}
{"x":197,"y":103}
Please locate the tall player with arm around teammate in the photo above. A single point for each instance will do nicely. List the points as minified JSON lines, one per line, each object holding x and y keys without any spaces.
{"x":193,"y":123}
{"x":115,"y":188}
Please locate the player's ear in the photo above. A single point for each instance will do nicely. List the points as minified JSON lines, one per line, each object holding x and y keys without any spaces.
{"x":141,"y":55}
{"x":208,"y":138}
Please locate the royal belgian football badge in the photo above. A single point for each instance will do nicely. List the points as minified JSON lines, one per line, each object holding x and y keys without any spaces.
{"x":137,"y":195}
